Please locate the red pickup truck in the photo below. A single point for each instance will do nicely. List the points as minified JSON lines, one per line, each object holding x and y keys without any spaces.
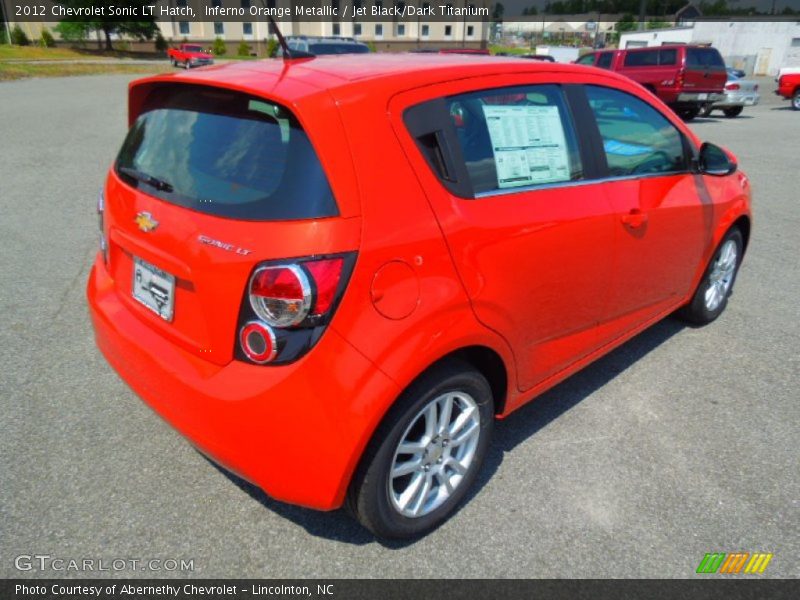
{"x":687,"y":78}
{"x":789,"y":88}
{"x":189,"y":55}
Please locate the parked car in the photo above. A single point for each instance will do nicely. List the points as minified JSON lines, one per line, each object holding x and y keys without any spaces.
{"x":687,"y":78}
{"x":333,"y":274}
{"x":738,"y":94}
{"x":789,"y":88}
{"x":189,"y":55}
{"x":735,"y":73}
{"x":319,"y":46}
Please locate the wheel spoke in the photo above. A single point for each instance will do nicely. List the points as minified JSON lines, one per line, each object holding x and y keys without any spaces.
{"x":457,"y":466}
{"x":411,"y":491}
{"x":422,"y":496}
{"x":462,"y":419}
{"x":404,"y":468}
{"x":444,"y":480}
{"x":430,"y":421}
{"x":466,"y":434}
{"x":445,"y":413}
{"x":412,"y":448}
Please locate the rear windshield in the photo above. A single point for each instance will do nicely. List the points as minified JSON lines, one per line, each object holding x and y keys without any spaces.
{"x":704,"y":57}
{"x":334,"y":48}
{"x":226,"y":154}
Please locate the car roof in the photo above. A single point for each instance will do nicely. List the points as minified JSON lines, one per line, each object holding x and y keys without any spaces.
{"x":391,"y":72}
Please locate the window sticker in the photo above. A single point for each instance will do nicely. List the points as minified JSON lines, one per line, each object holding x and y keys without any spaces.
{"x":528,"y":143}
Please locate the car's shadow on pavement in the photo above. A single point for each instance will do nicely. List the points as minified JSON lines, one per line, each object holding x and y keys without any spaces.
{"x":520,"y":426}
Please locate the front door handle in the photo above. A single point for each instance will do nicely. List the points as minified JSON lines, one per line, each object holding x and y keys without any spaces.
{"x":635,"y":218}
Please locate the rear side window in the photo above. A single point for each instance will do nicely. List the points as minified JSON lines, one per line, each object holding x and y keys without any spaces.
{"x":704,"y":57}
{"x":604,"y":62}
{"x":641,"y":58}
{"x":667,"y":57}
{"x":226,"y":154}
{"x":637,"y":139}
{"x":515,"y":137}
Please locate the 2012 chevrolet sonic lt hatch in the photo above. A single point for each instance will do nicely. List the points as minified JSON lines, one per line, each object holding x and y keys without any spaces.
{"x":333,"y":274}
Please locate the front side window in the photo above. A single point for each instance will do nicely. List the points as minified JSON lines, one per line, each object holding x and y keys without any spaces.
{"x":604,"y":62}
{"x":515,"y":137}
{"x":638,"y":140}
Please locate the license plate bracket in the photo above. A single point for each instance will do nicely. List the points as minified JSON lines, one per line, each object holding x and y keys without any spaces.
{"x":153,"y":288}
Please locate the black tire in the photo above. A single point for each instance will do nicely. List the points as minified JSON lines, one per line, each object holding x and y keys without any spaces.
{"x":687,"y":114}
{"x":371,"y":493}
{"x":796,"y":99}
{"x":707,"y":110}
{"x":733,"y":111}
{"x":174,"y":62}
{"x":697,"y":311}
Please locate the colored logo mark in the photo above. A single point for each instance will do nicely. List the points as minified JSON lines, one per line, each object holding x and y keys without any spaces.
{"x":734,"y":563}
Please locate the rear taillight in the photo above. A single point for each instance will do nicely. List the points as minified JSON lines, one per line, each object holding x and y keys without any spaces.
{"x":731,"y":86}
{"x":287,"y":306}
{"x":680,"y":78}
{"x":101,"y":213}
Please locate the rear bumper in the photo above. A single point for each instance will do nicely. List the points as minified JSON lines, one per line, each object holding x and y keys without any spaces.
{"x":698,"y":98}
{"x":296,"y":431}
{"x":738,"y":99}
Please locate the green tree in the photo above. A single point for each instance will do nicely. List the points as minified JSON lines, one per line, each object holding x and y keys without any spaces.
{"x":497,"y":13}
{"x":141,"y":27}
{"x":47,"y":40}
{"x":19,"y":37}
{"x":244,"y":49}
{"x":218,"y":47}
{"x":272,"y":47}
{"x":626,"y":23}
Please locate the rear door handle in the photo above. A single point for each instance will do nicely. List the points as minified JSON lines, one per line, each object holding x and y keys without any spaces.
{"x":635,"y":218}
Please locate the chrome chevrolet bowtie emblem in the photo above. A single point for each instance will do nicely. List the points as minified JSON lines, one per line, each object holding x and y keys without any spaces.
{"x":145,"y":221}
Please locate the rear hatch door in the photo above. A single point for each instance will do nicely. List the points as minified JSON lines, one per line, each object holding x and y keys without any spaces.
{"x":208,"y":184}
{"x":704,"y":70}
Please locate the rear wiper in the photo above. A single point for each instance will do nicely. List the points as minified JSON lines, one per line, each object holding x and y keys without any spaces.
{"x":158,"y":184}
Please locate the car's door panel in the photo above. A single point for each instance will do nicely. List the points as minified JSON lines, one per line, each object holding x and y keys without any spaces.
{"x":535,"y":262}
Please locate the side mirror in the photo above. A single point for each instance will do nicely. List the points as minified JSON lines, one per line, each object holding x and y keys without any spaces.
{"x":713,"y":160}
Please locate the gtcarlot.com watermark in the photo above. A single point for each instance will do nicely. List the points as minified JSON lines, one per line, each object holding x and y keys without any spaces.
{"x":45,"y":563}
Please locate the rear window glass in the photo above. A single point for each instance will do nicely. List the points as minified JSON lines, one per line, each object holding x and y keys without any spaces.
{"x":643,"y":58}
{"x":704,"y":57}
{"x":226,"y":154}
{"x":338,"y":48}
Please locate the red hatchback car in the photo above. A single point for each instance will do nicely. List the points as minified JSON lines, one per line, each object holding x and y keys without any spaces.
{"x":333,"y":274}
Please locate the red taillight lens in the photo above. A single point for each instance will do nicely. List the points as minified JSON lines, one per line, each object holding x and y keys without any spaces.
{"x":731,"y":86}
{"x":326,"y":275}
{"x":680,"y":77}
{"x":288,"y":305}
{"x":280,"y":295}
{"x":258,"y":342}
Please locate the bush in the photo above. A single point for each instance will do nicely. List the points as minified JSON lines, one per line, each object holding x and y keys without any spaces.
{"x":372,"y":47}
{"x":160,"y":43}
{"x":219,"y":48}
{"x":3,"y":39}
{"x":244,"y":49}
{"x":272,"y":47}
{"x":47,"y":40}
{"x":18,"y":37}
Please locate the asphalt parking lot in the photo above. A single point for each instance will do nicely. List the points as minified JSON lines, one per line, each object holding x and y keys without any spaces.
{"x":682,"y":442}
